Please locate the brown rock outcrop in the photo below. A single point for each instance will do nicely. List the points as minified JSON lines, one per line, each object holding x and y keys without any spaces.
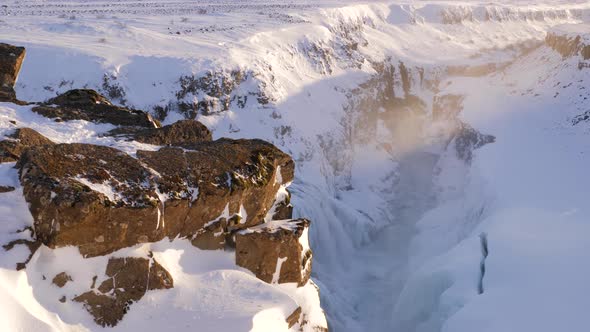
{"x":129,"y":279}
{"x":234,"y":175}
{"x":568,"y":45}
{"x":181,"y":133}
{"x":56,"y":182}
{"x":283,"y":209}
{"x":101,"y":199}
{"x":6,"y":189}
{"x":212,"y":236}
{"x":61,"y":279}
{"x":294,"y":317}
{"x":11,"y":59}
{"x":89,"y":105}
{"x":23,"y":138}
{"x":274,"y":253}
{"x":79,"y":98}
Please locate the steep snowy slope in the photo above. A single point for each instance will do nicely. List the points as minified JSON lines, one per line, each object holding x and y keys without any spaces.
{"x":440,"y":147}
{"x":528,"y":244}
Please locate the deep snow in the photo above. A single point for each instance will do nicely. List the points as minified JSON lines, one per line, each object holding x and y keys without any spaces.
{"x":397,"y":219}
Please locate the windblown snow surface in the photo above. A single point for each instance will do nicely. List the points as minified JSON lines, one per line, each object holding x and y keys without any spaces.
{"x":407,"y":234}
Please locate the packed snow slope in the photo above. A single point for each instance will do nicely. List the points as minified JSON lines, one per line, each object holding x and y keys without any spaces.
{"x":416,"y":225}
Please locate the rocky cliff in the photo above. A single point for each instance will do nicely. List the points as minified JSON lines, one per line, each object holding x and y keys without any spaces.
{"x":102,"y":200}
{"x":570,"y":40}
{"x":11,"y":59}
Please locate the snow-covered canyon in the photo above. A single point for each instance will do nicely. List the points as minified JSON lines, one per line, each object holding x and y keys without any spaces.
{"x":441,"y":151}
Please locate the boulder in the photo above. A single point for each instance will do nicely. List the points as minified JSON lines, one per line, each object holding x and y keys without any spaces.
{"x":276,"y":251}
{"x":61,"y":279}
{"x":6,"y":189}
{"x":80,"y":98}
{"x":181,"y":133}
{"x":89,"y":105}
{"x":570,"y":40}
{"x":129,"y":279}
{"x":11,"y":59}
{"x":100,"y":199}
{"x":17,"y":142}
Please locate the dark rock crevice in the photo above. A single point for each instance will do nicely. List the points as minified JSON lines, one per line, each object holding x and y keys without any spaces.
{"x":483,"y":237}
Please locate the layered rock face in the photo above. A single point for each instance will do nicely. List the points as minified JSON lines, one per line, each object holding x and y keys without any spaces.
{"x":236,"y":185}
{"x":11,"y":59}
{"x":277,"y":251}
{"x":101,"y":199}
{"x":570,"y":40}
{"x":57,"y":183}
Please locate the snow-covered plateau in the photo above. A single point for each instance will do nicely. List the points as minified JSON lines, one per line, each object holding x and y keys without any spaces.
{"x":441,"y":153}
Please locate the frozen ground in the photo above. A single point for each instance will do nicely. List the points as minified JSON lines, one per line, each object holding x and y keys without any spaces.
{"x":401,"y":227}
